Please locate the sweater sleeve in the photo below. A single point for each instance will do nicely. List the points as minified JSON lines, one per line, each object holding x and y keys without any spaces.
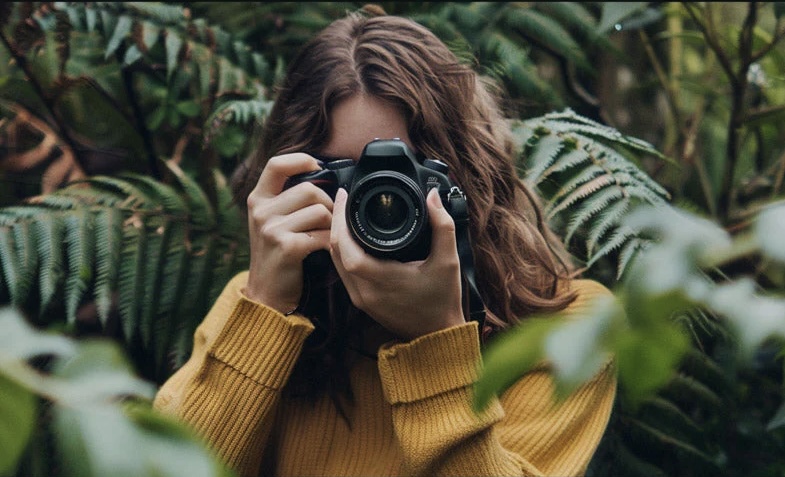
{"x":524,"y":432}
{"x":229,"y":388}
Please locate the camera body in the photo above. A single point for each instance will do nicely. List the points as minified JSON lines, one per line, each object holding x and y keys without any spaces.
{"x":387,"y":187}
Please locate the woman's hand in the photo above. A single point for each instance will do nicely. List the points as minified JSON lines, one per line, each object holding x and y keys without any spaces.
{"x":284,"y":227}
{"x":409,"y":299}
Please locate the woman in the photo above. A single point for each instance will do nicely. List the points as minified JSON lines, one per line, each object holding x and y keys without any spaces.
{"x":363,"y":366}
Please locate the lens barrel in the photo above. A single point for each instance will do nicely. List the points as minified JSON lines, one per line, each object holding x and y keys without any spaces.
{"x":386,"y":212}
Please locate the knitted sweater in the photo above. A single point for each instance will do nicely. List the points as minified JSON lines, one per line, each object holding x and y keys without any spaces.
{"x":412,"y":413}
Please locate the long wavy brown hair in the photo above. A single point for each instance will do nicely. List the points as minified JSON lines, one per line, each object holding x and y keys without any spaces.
{"x":453,"y":115}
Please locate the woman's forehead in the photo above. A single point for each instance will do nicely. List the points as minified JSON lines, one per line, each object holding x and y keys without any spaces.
{"x":358,"y":120}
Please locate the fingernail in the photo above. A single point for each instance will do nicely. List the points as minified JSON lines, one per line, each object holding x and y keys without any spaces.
{"x":438,"y":203}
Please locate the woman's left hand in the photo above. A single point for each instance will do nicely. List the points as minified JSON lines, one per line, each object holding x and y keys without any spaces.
{"x":409,"y":299}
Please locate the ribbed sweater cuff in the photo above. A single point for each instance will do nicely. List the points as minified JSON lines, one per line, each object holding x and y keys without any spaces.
{"x":431,"y":364}
{"x":261,"y":343}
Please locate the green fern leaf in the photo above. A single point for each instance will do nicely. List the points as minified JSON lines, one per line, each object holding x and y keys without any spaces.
{"x":573,"y":157}
{"x":595,"y":204}
{"x":656,"y":439}
{"x":522,"y":134}
{"x":133,"y":196}
{"x":79,"y":246}
{"x":108,"y":242}
{"x":28,"y":258}
{"x":575,"y":16}
{"x":173,"y":44}
{"x":700,"y":366}
{"x":589,"y":182}
{"x":628,"y":252}
{"x":9,"y":263}
{"x":174,"y":273}
{"x":617,"y":240}
{"x":121,"y":30}
{"x":541,"y":155}
{"x":195,"y":292}
{"x":131,"y":278}
{"x":91,"y":19}
{"x":156,"y":242}
{"x":666,"y":416}
{"x":48,"y":233}
{"x":160,"y":12}
{"x":628,"y":464}
{"x":160,"y":194}
{"x":202,"y":212}
{"x":687,"y":389}
{"x":571,"y":122}
{"x":546,"y":32}
{"x":240,"y":111}
{"x":611,"y":217}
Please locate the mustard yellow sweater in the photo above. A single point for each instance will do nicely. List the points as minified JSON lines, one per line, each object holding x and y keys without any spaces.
{"x":412,"y":412}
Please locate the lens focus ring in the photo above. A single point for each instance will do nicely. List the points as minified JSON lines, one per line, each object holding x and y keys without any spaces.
{"x":386,"y":211}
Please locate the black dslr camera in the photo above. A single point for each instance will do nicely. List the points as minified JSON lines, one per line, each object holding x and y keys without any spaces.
{"x":387,"y":187}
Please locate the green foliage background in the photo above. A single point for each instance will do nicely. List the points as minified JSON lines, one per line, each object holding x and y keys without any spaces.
{"x":653,"y":132}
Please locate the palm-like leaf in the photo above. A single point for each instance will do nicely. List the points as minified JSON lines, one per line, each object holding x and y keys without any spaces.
{"x":163,"y":250}
{"x":586,"y":173}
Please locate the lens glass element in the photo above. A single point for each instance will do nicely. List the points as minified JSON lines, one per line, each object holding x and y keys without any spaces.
{"x":386,"y":212}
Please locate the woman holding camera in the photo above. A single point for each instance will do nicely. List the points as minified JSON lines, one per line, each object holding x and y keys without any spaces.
{"x":359,"y":365}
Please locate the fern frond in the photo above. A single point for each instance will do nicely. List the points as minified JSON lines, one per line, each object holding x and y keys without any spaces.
{"x":701,"y":367}
{"x":79,"y":245}
{"x":628,"y":252}
{"x":155,"y":254}
{"x":201,"y":210}
{"x":546,"y":32}
{"x":9,"y":263}
{"x":195,"y":289}
{"x":240,"y":111}
{"x":593,"y":175}
{"x":576,"y":17}
{"x":687,"y":389}
{"x":541,"y":155}
{"x":619,"y":239}
{"x":174,"y":272}
{"x":595,"y":205}
{"x":658,"y":442}
{"x":108,"y":246}
{"x":48,"y":234}
{"x":627,"y":463}
{"x":582,"y":170}
{"x":569,"y":121}
{"x":611,"y":217}
{"x":131,"y":274}
{"x":666,"y":416}
{"x":134,"y":27}
{"x":570,"y":159}
{"x":160,"y":255}
{"x":27,"y":254}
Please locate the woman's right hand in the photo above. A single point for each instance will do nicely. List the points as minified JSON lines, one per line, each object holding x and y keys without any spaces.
{"x":284,"y":227}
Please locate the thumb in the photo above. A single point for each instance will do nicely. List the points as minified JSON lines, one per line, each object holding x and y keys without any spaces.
{"x":443,"y":241}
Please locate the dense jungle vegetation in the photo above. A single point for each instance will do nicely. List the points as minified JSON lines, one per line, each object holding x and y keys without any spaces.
{"x":654,"y":132}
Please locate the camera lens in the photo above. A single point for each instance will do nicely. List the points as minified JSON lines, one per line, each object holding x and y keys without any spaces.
{"x":386,"y":211}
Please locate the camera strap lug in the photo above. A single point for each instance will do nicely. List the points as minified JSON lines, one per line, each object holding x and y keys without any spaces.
{"x":459,"y":211}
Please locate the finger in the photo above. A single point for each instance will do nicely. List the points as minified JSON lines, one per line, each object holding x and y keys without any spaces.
{"x":280,"y":168}
{"x":300,"y":244}
{"x":307,"y":219}
{"x":301,"y":196}
{"x":443,"y":242}
{"x":345,"y":249}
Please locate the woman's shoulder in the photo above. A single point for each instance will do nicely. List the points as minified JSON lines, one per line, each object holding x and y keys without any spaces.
{"x":586,"y":291}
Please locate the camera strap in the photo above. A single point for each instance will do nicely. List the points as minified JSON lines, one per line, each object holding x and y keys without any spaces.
{"x":460,"y":214}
